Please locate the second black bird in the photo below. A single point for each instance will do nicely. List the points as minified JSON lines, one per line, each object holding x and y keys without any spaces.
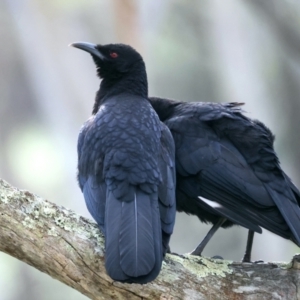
{"x":126,"y":166}
{"x":227,"y":170}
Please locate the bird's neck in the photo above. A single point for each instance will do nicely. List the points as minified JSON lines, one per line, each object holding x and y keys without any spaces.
{"x":163,"y":107}
{"x":134,"y":83}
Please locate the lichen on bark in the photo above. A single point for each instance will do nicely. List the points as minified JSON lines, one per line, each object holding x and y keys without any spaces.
{"x":70,"y":248}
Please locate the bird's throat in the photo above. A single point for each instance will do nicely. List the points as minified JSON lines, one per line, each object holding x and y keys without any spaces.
{"x":134,"y":85}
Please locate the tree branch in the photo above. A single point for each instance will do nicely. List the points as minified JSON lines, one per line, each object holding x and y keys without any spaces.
{"x":70,"y":248}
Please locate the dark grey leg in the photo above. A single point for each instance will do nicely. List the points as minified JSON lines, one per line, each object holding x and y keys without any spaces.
{"x":247,"y":256}
{"x":207,"y":238}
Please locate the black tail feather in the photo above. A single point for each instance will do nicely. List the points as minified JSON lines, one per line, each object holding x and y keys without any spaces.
{"x":133,"y":238}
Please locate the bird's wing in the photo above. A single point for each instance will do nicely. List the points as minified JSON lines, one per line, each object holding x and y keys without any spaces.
{"x":166,"y":191}
{"x":209,"y":169}
{"x":235,"y":162}
{"x":255,"y":143}
{"x":95,"y":197}
{"x":90,"y":173}
{"x":81,"y":178}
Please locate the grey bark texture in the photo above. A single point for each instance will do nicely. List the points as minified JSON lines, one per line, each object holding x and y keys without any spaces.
{"x":70,"y":248}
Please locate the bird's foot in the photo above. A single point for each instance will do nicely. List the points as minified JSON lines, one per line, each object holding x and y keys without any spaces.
{"x":179,"y":255}
{"x":248,"y":260}
{"x":260,"y":261}
{"x":217,"y":257}
{"x":196,"y":252}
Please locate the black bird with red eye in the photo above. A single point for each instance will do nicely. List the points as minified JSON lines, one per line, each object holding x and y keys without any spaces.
{"x":126,"y":166}
{"x":114,"y":62}
{"x":114,"y":54}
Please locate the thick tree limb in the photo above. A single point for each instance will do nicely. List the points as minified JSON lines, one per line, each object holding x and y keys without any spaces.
{"x":70,"y":248}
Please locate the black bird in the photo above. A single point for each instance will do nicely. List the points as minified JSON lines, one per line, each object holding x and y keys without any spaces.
{"x":126,"y":166}
{"x":228,"y":172}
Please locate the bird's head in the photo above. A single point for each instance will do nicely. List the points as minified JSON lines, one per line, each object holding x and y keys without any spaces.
{"x":113,"y":60}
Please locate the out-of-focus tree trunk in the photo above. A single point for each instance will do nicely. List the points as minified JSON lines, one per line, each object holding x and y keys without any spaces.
{"x":126,"y":24}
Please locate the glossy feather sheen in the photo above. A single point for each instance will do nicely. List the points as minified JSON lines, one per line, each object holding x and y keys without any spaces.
{"x":135,"y":166}
{"x":92,"y":193}
{"x":136,"y":236}
{"x":126,"y":168}
{"x":113,"y":213}
{"x":228,"y":158}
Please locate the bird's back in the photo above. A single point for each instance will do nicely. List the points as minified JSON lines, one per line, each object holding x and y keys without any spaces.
{"x":226,"y":157}
{"x":121,"y":154}
{"x":124,"y":158}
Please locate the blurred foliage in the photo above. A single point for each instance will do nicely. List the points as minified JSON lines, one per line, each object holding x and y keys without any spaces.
{"x":235,"y":50}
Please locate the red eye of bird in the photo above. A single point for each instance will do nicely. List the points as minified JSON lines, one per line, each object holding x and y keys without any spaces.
{"x":113,"y":54}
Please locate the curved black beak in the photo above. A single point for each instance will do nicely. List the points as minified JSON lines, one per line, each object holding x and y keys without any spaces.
{"x":88,"y":47}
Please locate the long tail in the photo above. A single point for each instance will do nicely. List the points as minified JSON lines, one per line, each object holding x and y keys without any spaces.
{"x":133,"y":238}
{"x":287,"y":201}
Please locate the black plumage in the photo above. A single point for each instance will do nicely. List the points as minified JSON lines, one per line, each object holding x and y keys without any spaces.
{"x":126,"y":167}
{"x":225,"y":157}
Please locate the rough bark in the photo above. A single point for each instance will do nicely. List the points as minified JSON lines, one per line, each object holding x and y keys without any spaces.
{"x":70,"y":248}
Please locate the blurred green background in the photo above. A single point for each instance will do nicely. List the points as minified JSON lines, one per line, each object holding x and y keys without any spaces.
{"x":217,"y":51}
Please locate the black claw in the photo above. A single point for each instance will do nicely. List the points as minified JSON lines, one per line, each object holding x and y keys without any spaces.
{"x":180,"y":255}
{"x":217,"y":257}
{"x":260,"y":261}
